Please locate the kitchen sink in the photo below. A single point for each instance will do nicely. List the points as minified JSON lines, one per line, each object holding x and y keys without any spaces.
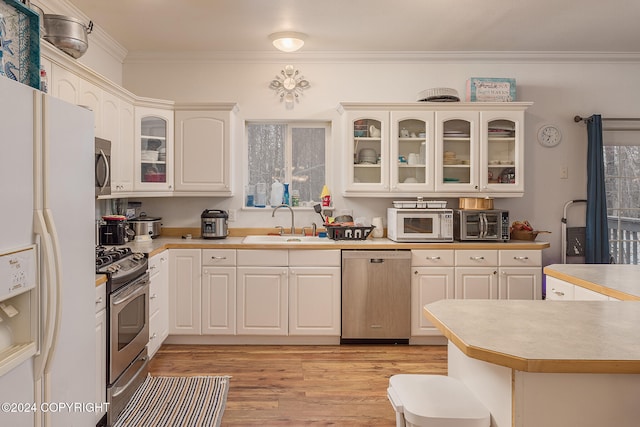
{"x":286,"y":239}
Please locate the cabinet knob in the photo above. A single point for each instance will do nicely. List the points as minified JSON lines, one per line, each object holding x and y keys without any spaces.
{"x":153,"y":296}
{"x":99,"y":300}
{"x":476,"y":258}
{"x":153,"y":337}
{"x":218,"y":257}
{"x":521,"y":258}
{"x":559,"y":293}
{"x":432,"y":258}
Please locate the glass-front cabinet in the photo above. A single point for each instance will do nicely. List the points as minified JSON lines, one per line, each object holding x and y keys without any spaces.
{"x":446,"y":149}
{"x":367,"y":151}
{"x":388,"y":152}
{"x":480,"y":151}
{"x":411,"y":151}
{"x":154,"y":150}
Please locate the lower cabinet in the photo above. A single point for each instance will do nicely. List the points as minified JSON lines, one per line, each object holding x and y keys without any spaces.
{"x":470,"y":274}
{"x":559,"y":290}
{"x":101,"y":348}
{"x":185,"y":284}
{"x":224,"y":292}
{"x":158,"y":301}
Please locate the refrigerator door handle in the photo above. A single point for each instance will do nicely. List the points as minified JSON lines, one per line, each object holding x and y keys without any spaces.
{"x":49,"y":303}
{"x":55,"y":286}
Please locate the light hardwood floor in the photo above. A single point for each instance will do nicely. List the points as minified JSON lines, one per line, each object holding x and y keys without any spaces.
{"x":304,"y":385}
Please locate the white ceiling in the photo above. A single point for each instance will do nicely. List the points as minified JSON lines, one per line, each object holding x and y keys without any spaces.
{"x":237,"y":26}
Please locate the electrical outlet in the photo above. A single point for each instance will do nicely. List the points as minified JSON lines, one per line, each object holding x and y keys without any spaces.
{"x":564,"y":172}
{"x":232,"y":214}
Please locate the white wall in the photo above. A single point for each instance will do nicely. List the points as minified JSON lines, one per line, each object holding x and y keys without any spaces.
{"x":559,"y":89}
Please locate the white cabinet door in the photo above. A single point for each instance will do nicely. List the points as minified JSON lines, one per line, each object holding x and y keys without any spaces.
{"x":64,"y":84}
{"x":429,"y":284}
{"x":262,"y":306}
{"x":153,"y":149}
{"x":91,"y":97}
{"x":219,"y":300}
{"x":583,"y":294}
{"x":456,"y":151}
{"x":520,"y":283}
{"x":363,"y":172}
{"x":559,"y":290}
{"x":412,"y":141}
{"x":185,"y":269}
{"x":314,"y":300}
{"x":476,"y":283}
{"x":122,"y":151}
{"x":158,"y":301}
{"x":203,"y":150}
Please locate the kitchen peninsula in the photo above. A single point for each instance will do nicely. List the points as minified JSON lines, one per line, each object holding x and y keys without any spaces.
{"x":546,"y":363}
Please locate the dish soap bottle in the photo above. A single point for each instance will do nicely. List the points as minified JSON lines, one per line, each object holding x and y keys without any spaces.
{"x":277,"y":192}
{"x":285,"y":196}
{"x":325,"y":196}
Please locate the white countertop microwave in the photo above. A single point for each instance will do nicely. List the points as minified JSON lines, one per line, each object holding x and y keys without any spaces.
{"x":420,"y":225}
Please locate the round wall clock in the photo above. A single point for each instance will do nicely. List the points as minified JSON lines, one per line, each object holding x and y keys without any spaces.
{"x":549,"y":136}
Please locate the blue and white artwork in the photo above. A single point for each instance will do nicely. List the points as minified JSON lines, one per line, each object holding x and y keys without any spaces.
{"x":19,"y":43}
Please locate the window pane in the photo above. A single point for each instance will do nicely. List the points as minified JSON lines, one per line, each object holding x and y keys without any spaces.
{"x":266,"y":146}
{"x":622,"y":181}
{"x":308,"y":162}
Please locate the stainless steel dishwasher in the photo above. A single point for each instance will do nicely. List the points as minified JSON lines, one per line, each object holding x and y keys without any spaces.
{"x":376,"y":296}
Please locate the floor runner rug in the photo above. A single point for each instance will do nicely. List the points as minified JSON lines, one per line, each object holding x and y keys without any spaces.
{"x":176,"y":402}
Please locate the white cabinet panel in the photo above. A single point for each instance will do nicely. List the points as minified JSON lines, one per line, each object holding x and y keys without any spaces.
{"x":185,"y":286}
{"x":219,"y":300}
{"x":429,"y":284}
{"x":520,"y":283}
{"x":476,"y":283}
{"x":314,"y":300}
{"x":262,"y":300}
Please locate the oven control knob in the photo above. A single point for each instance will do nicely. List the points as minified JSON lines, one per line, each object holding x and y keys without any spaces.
{"x":138,"y":255}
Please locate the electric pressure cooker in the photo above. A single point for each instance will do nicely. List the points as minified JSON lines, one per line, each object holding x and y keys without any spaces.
{"x":214,"y":224}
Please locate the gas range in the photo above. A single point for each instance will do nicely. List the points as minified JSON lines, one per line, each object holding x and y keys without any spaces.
{"x":121,"y":265}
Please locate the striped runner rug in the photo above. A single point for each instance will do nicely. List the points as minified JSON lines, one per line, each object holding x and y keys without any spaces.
{"x":176,"y":402}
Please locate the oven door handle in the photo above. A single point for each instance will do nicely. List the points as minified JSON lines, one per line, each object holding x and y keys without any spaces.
{"x":121,"y":390}
{"x":131,"y":293}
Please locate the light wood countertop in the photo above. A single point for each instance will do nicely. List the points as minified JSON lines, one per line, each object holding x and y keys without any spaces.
{"x":614,"y":280}
{"x":544,"y":336}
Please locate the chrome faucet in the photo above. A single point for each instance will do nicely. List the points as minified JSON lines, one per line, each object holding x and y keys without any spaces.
{"x":273,"y":214}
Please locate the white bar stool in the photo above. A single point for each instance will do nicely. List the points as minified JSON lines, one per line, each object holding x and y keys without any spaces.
{"x":435,"y":401}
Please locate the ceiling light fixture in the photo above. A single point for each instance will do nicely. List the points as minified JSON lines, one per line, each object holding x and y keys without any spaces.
{"x":288,"y":41}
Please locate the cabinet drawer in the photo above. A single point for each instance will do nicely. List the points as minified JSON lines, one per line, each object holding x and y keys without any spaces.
{"x":432,"y":258}
{"x":559,"y":290}
{"x":314,"y":258}
{"x":479,"y":258}
{"x":522,"y":258}
{"x":219,"y":257}
{"x":101,"y":297}
{"x":266,"y":257}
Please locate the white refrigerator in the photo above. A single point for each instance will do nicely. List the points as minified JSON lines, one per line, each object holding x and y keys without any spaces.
{"x":47,"y":198}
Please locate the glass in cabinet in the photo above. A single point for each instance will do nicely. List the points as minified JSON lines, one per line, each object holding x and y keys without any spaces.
{"x":502,"y":158}
{"x":411,"y":151}
{"x":367,"y":151}
{"x":154,"y":151}
{"x":456,"y":151}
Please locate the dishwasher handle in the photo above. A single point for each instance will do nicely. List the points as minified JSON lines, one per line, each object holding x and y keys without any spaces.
{"x":376,"y":260}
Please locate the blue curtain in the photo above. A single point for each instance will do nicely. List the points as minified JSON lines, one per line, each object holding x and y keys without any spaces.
{"x":597,"y":239}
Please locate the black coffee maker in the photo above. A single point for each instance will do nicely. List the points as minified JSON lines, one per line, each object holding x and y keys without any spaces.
{"x":115,"y":230}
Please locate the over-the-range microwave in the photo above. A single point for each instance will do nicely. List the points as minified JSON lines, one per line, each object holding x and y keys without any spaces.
{"x":420,"y":225}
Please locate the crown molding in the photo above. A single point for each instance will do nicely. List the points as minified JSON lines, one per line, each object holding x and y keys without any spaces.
{"x":383,"y":57}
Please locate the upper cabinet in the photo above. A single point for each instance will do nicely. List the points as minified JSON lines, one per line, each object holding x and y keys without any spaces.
{"x":480,"y":152}
{"x":203,"y":134}
{"x":444,"y":148}
{"x":153,"y":150}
